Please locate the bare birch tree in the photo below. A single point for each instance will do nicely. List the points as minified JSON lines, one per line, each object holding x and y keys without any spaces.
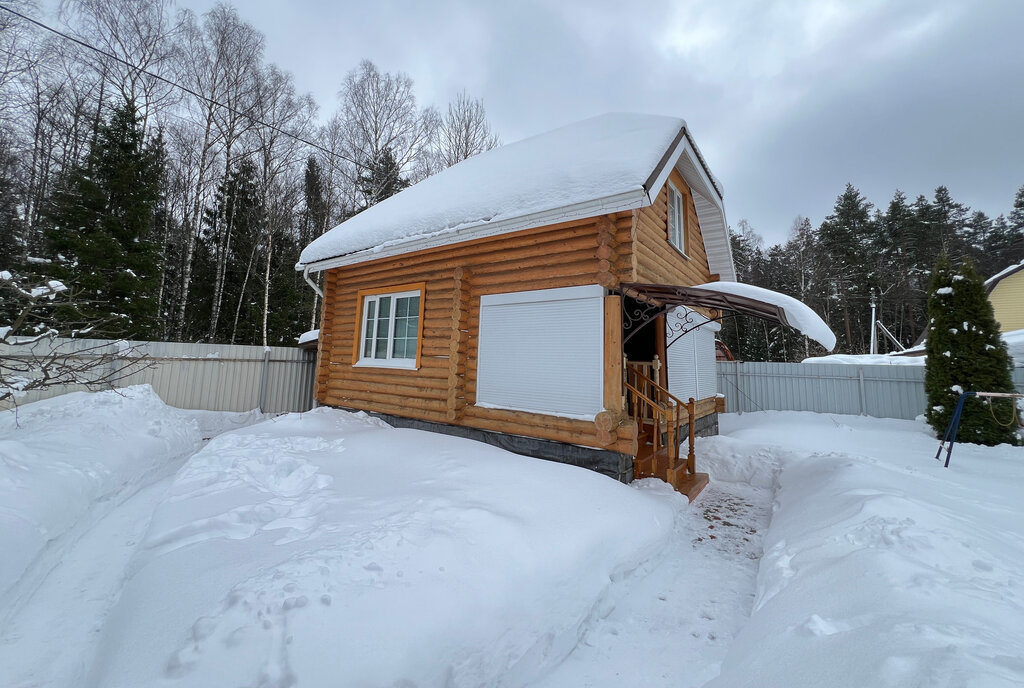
{"x":202,"y":63}
{"x":284,"y":110}
{"x":135,"y":36}
{"x":379,"y":117}
{"x":463,"y":132}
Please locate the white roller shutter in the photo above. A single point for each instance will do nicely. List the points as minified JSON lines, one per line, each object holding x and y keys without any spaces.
{"x":542,"y":351}
{"x":705,"y":360}
{"x":691,"y":361}
{"x":682,"y":373}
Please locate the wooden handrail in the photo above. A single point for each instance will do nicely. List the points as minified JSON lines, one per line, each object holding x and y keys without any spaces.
{"x":653,"y":383}
{"x":659,"y":414}
{"x":670,"y":413}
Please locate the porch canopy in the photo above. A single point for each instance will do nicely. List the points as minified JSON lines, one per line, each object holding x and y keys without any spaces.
{"x":744,"y":299}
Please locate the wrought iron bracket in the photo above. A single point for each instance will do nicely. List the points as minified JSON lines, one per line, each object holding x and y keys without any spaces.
{"x":680,"y":329}
{"x":642,"y":313}
{"x":639,"y":316}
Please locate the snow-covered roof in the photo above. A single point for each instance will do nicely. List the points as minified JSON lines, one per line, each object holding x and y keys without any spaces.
{"x":992,"y":281}
{"x":601,"y":165}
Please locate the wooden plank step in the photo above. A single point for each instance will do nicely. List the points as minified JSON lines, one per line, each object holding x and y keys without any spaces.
{"x":691,"y":484}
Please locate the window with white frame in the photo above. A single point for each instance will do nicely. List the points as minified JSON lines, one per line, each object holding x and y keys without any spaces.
{"x":390,"y":329}
{"x":676,"y":221}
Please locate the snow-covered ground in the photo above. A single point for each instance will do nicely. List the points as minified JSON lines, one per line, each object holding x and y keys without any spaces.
{"x":80,"y":476}
{"x":327,"y":549}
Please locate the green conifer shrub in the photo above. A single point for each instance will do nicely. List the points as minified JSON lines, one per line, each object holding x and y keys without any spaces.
{"x":966,"y":353}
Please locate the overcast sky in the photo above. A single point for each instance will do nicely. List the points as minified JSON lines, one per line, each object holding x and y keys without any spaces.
{"x":788,"y":100}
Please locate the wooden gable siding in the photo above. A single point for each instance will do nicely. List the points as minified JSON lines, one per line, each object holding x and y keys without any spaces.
{"x":443,"y":389}
{"x":657,"y":261}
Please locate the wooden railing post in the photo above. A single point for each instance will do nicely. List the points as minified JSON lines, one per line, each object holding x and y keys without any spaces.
{"x":673,"y":444}
{"x":691,"y":461}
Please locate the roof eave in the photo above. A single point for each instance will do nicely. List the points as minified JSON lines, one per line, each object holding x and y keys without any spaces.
{"x":628,"y":200}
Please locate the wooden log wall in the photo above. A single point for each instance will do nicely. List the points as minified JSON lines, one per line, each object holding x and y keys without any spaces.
{"x":630,"y":246}
{"x":443,"y":389}
{"x":657,"y":261}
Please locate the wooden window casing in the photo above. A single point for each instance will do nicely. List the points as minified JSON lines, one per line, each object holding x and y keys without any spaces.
{"x":677,"y":234}
{"x":362,"y":296}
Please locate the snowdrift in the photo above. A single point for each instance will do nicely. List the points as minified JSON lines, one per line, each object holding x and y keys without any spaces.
{"x":328,"y":548}
{"x":881,"y":568}
{"x":66,"y":461}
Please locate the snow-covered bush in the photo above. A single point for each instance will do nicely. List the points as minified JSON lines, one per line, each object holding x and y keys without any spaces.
{"x":29,"y":358}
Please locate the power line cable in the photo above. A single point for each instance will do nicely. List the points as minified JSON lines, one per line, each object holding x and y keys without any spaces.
{"x":186,"y":89}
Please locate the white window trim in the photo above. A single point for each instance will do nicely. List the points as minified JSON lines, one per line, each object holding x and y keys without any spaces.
{"x":681,"y":246}
{"x":388,"y":362}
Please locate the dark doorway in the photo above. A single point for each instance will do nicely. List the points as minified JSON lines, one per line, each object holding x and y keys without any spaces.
{"x":643,"y":345}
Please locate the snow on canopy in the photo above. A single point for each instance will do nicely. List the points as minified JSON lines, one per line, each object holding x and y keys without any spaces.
{"x":598,"y":159}
{"x":798,"y":315}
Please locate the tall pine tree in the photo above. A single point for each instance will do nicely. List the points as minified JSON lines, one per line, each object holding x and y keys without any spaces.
{"x":845,"y":238}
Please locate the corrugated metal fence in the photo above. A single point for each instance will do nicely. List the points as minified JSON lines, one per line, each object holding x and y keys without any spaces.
{"x":215,"y":377}
{"x":880,"y":391}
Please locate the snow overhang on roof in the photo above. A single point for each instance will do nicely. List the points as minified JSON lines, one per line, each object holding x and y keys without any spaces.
{"x":745,"y":299}
{"x":995,"y":279}
{"x":602,"y":165}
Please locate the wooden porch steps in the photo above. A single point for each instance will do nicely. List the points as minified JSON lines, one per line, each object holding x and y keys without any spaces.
{"x":655,"y":464}
{"x":660,"y":417}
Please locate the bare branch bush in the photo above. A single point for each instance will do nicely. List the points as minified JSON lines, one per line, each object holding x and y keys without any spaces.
{"x":32,"y":358}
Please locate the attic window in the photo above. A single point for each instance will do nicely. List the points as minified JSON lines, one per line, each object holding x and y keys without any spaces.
{"x":676,"y":220}
{"x":390,"y":325}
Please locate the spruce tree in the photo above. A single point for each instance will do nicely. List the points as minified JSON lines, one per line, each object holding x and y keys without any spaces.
{"x":382,"y":179}
{"x":102,"y":229}
{"x":965,"y":353}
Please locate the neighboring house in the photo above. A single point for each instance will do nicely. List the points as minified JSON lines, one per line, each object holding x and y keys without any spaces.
{"x":532,"y":297}
{"x":1006,"y":294}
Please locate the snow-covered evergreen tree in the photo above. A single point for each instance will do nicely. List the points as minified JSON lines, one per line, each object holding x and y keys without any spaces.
{"x":101,"y":235}
{"x":965,"y":353}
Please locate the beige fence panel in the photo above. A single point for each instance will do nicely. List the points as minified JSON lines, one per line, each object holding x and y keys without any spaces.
{"x":215,"y":377}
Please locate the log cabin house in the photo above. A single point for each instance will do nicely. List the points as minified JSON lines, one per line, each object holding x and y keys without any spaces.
{"x":540,"y":297}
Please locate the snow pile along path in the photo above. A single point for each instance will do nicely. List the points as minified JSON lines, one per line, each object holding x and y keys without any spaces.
{"x":881,"y":568}
{"x":65,"y":462}
{"x":330,"y":549}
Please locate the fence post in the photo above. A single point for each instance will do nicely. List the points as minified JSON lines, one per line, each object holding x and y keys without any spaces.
{"x":263,"y":378}
{"x":739,"y":390}
{"x":860,"y":385}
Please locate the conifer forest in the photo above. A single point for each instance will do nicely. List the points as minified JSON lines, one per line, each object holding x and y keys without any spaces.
{"x":155,"y":162}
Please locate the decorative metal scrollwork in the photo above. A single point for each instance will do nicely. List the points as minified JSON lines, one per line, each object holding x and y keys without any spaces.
{"x":638,"y":315}
{"x":681,"y":324}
